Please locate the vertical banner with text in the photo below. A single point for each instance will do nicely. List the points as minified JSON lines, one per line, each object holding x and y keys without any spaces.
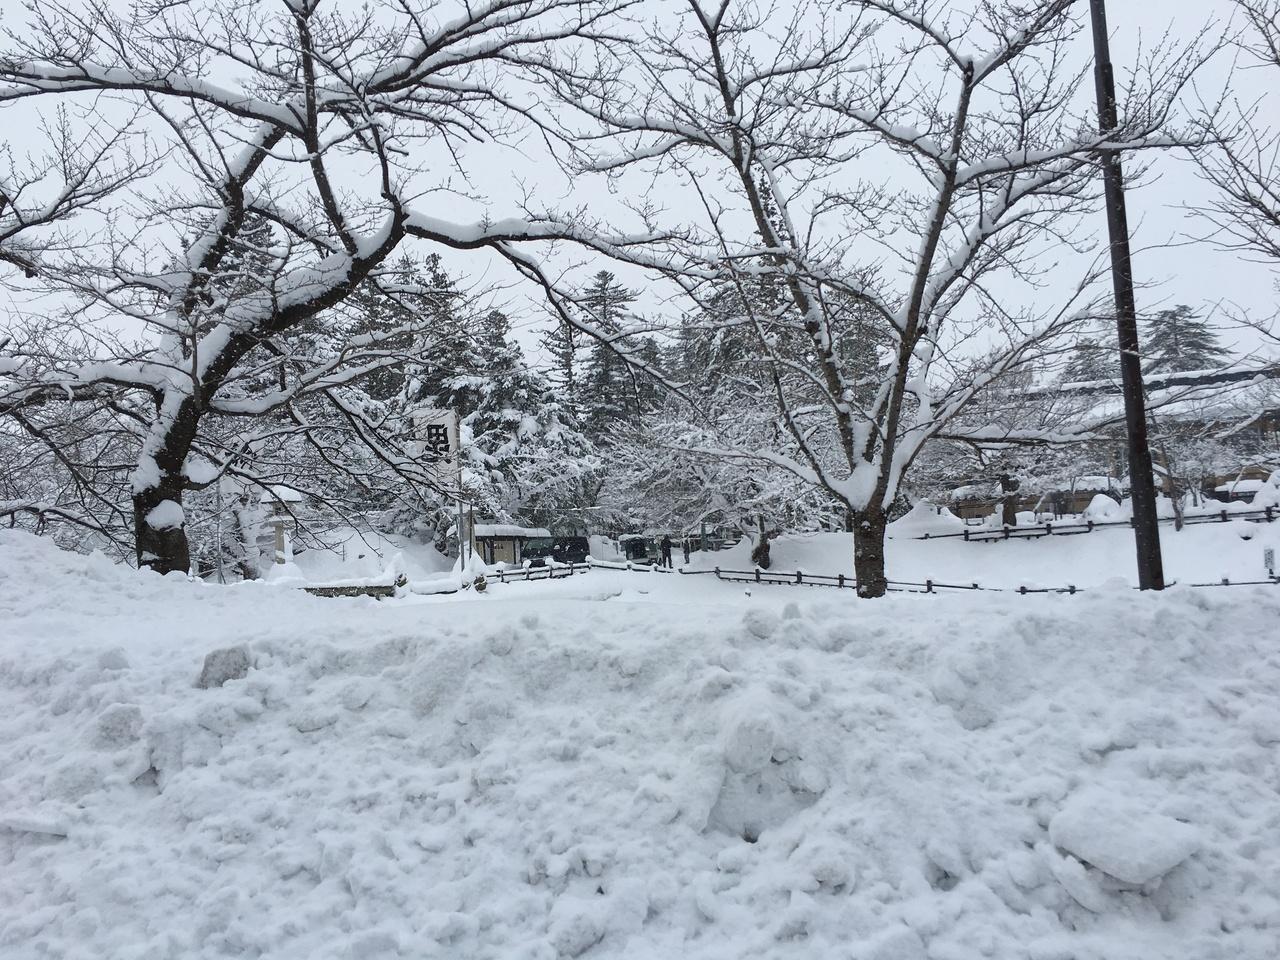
{"x":438,"y":447}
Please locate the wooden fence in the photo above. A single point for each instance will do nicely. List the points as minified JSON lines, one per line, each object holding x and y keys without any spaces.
{"x":1051,"y":529}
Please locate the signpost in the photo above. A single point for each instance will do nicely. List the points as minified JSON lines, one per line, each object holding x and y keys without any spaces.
{"x":439,"y":445}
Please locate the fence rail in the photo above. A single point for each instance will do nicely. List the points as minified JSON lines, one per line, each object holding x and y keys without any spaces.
{"x":1051,"y":529}
{"x":840,"y":581}
{"x":551,"y":572}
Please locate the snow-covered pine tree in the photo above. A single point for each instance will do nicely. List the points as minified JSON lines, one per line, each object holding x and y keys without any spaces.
{"x":1092,"y":359}
{"x":1178,"y":340}
{"x":561,"y":344}
{"x":406,"y":290}
{"x":608,"y":391}
{"x":523,"y":454}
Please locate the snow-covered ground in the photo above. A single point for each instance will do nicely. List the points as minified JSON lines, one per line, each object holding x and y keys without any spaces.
{"x":1201,"y":553}
{"x":645,"y":765}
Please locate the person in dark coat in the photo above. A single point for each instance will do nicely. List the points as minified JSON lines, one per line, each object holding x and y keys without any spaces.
{"x":666,"y":551}
{"x":685,"y":546}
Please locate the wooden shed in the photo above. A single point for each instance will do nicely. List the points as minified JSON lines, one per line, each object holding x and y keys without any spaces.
{"x":503,"y":542}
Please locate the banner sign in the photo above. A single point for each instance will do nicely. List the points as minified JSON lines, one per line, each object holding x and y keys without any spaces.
{"x":437,"y":445}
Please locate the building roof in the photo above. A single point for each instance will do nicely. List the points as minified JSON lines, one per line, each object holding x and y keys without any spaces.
{"x":281,"y":493}
{"x":1240,"y":486}
{"x":509,"y":530}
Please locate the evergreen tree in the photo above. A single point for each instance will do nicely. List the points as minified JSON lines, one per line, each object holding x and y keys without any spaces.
{"x":1091,"y":359}
{"x":1177,"y":340}
{"x":608,"y":392}
{"x":523,"y":454}
{"x":561,"y":344}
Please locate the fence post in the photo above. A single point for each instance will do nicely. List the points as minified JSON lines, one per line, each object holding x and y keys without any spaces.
{"x":1268,"y":512}
{"x":1224,"y":516}
{"x":1048,"y":528}
{"x":1226,"y":582}
{"x":1023,"y":590}
{"x":966,"y":534}
{"x":717,"y":573}
{"x":757,"y":574}
{"x":799,"y":577}
{"x":840,"y":581}
{"x":928,"y":586}
{"x":1071,"y":588}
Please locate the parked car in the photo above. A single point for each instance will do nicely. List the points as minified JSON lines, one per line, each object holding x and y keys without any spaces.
{"x":637,"y":548}
{"x":557,"y":549}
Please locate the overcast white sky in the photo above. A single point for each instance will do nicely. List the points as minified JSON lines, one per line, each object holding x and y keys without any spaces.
{"x":1173,"y":269}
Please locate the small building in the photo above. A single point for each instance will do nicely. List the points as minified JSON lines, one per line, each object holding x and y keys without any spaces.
{"x":504,"y":542}
{"x":1240,"y":488}
{"x":976,"y":501}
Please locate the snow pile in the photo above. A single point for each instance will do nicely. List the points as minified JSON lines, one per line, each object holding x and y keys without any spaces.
{"x":1103,"y":509}
{"x":925,"y":518}
{"x":796,"y":775}
{"x":366,"y":556}
{"x":1268,"y":494}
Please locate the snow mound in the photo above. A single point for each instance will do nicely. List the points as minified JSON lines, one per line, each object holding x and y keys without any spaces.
{"x":925,"y":518}
{"x":537,"y":774}
{"x":1103,"y":509}
{"x":1268,"y":495}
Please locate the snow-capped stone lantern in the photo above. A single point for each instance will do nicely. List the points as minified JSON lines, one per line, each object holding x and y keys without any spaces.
{"x":280,"y":506}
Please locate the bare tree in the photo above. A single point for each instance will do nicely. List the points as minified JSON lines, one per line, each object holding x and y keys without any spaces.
{"x":926,"y":166}
{"x":1244,"y":161}
{"x":335,"y":129}
{"x":75,"y":172}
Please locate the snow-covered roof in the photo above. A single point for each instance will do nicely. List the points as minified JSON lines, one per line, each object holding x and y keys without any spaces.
{"x":1094,"y":483}
{"x":280,"y":492}
{"x":1240,"y":486}
{"x":974,"y":491}
{"x":509,"y":530}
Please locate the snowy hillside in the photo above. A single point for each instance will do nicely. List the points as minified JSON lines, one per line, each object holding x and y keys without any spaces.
{"x":632,"y":765}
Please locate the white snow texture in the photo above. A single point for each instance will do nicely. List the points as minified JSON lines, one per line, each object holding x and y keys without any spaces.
{"x":553,"y":771}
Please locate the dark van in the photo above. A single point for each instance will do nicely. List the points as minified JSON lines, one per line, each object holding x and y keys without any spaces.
{"x":559,"y":549}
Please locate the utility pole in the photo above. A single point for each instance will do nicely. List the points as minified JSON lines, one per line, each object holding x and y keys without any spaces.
{"x":1142,"y":489}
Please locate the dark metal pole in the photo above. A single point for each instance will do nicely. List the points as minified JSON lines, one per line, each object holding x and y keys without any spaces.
{"x":1142,"y":489}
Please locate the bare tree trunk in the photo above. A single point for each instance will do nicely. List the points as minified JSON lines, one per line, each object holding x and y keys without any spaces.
{"x":163,"y":549}
{"x":868,"y":553}
{"x":158,"y":545}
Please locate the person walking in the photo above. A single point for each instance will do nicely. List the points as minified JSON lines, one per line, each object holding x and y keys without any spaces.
{"x":685,"y":546}
{"x":666,"y":551}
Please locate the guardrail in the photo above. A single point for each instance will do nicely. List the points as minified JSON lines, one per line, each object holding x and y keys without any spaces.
{"x":1051,"y":529}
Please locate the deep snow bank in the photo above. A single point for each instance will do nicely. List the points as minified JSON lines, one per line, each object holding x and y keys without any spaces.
{"x":569,"y":774}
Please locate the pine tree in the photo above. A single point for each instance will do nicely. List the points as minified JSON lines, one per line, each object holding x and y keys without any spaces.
{"x":1091,"y":360}
{"x":608,"y":390}
{"x":1178,"y":340}
{"x":561,"y":344}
